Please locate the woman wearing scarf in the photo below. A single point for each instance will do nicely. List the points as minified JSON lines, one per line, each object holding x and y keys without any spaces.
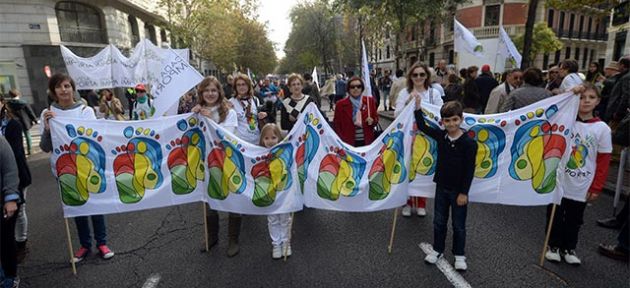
{"x":294,"y":105}
{"x":246,"y":107}
{"x":355,"y":116}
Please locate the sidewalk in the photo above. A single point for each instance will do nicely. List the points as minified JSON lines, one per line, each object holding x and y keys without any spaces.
{"x":611,"y":182}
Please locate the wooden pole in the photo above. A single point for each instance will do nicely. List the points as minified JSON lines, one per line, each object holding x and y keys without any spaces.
{"x":549,"y":226}
{"x":391,"y":238}
{"x":205,"y":224}
{"x":286,"y":248}
{"x":74,"y":266}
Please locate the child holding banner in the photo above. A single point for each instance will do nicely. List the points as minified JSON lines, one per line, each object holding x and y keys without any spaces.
{"x":213,"y":105}
{"x":279,"y":224}
{"x":62,"y":89}
{"x":581,"y":177}
{"x":453,"y":176}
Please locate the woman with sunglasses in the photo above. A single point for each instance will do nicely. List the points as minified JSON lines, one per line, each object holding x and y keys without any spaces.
{"x":418,"y":83}
{"x":355,"y":116}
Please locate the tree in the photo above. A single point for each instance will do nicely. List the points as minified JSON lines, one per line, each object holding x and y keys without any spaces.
{"x":544,"y":40}
{"x":584,"y":6}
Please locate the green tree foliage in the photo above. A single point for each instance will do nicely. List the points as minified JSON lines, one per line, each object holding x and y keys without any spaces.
{"x":226,"y":32}
{"x":544,"y":40}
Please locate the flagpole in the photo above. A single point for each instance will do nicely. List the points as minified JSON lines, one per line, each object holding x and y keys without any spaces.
{"x":549,"y":227}
{"x":205,"y":224}
{"x":74,"y":265}
{"x":391,"y":237}
{"x":286,"y":247}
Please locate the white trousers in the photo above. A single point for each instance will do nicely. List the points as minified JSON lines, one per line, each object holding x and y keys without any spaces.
{"x":279,"y":228}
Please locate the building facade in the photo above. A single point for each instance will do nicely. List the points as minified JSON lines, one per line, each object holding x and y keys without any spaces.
{"x":619,"y":32}
{"x":584,"y":35}
{"x":32,"y":31}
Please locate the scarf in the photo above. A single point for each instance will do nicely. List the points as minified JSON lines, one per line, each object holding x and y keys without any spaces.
{"x":356,"y":106}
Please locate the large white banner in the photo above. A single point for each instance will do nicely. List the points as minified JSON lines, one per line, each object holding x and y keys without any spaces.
{"x":110,"y":68}
{"x":107,"y":166}
{"x":517,"y":156}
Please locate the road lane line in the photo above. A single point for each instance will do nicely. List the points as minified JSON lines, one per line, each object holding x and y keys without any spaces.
{"x":152,"y":281}
{"x":451,"y":274}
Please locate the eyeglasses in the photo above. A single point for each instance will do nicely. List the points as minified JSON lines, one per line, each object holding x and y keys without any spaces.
{"x":356,"y":86}
{"x":416,"y":75}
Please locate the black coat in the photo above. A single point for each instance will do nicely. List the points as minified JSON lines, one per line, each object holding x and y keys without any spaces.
{"x":23,"y":112}
{"x":485,"y":84}
{"x":13,"y":134}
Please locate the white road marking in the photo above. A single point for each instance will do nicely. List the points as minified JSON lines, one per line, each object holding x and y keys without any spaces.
{"x":152,"y":281}
{"x":451,"y":274}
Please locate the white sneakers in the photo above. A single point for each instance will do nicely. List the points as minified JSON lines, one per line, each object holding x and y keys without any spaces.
{"x":553,"y":255}
{"x":433,"y":257}
{"x":460,"y":263}
{"x":276,"y":252}
{"x":406,"y":211}
{"x":286,"y":248}
{"x":571,"y":258}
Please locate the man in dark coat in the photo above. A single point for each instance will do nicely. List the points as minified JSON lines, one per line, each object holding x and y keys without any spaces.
{"x":485,"y":83}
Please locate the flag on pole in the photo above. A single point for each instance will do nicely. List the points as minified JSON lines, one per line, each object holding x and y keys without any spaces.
{"x":365,"y":71}
{"x":315,"y":78}
{"x":466,"y":40}
{"x":249,"y":74}
{"x":507,"y":49}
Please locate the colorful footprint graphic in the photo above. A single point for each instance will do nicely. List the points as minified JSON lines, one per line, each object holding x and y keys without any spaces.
{"x":226,"y":167}
{"x":137,"y":166}
{"x":339,"y":174}
{"x":187,"y":156}
{"x":578,"y":155}
{"x":81,"y":166}
{"x":537,"y":150}
{"x":272,"y":174}
{"x":307,"y":146}
{"x":423,"y":150}
{"x":490,"y":144}
{"x":389,"y":167}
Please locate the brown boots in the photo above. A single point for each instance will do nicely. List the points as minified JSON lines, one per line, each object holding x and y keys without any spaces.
{"x":234,"y":230}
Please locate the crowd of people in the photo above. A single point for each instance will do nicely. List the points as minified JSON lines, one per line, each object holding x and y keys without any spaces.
{"x":249,"y":109}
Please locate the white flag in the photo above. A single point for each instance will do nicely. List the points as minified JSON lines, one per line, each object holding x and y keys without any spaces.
{"x":365,"y":71}
{"x":466,"y":41}
{"x":315,"y":78}
{"x":174,"y":78}
{"x":507,"y":49}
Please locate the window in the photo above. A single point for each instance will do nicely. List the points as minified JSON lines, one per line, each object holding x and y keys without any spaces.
{"x":593,"y":56}
{"x":571,"y":24}
{"x":550,"y":18}
{"x":163,"y":35}
{"x":556,"y":58}
{"x":545,"y":61}
{"x":134,"y":33}
{"x":493,"y":12}
{"x":388,"y":53}
{"x":585,"y":58}
{"x":589,"y":26}
{"x":149,"y":33}
{"x":431,"y":59}
{"x":567,"y":54}
{"x":577,"y":54}
{"x":561,"y":22}
{"x":620,"y":42}
{"x":451,"y":56}
{"x":581,"y":26}
{"x":79,"y":22}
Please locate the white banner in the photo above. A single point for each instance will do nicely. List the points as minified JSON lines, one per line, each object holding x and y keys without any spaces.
{"x":517,"y":156}
{"x":465,"y":41}
{"x":110,"y":68}
{"x":507,"y":50}
{"x":107,"y":166}
{"x":173,"y":78}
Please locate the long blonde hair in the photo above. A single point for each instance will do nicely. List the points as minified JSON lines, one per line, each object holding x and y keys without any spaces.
{"x":224,"y":105}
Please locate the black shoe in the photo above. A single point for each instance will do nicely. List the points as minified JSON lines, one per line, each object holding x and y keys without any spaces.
{"x":610,"y":223}
{"x":21,"y":251}
{"x":614,"y":252}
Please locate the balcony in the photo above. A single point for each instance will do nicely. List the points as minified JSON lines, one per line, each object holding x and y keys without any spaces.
{"x":597,"y":36}
{"x":83,"y":35}
{"x":489,"y":32}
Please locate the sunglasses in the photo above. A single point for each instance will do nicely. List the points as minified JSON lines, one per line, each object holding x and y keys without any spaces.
{"x":356,"y":86}
{"x":416,"y":75}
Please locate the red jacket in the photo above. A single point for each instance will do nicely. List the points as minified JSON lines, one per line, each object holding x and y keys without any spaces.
{"x":344,"y":125}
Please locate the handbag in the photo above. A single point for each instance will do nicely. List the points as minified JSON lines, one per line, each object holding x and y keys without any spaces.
{"x":621,"y":136}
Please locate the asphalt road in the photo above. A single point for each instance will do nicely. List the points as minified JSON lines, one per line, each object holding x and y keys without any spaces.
{"x":330,"y":249}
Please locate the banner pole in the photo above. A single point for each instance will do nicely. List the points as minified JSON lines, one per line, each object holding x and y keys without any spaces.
{"x":205,"y":224}
{"x":549,"y":227}
{"x":286,"y":248}
{"x":620,"y":173}
{"x":74,"y":265}
{"x":391,"y":238}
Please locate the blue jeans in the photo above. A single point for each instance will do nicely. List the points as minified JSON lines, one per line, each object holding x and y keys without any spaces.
{"x":83,"y":229}
{"x":445,"y":202}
